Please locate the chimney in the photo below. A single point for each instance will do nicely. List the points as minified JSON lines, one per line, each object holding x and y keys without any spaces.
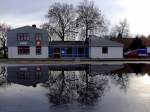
{"x":34,"y":25}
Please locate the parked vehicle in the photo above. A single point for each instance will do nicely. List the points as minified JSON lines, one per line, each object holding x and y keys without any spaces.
{"x":142,"y":53}
{"x":138,"y":53}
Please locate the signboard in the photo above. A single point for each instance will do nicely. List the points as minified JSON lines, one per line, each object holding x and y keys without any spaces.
{"x":22,"y":43}
{"x":38,"y":43}
{"x":38,"y":68}
{"x":23,"y":69}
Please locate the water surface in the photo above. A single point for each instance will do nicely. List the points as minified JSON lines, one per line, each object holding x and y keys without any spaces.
{"x":75,"y":88}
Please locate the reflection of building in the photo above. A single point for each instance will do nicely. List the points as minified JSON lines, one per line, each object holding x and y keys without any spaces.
{"x":32,"y":75}
{"x":103,"y":69}
{"x":134,"y":68}
{"x":27,"y":75}
{"x":75,"y":67}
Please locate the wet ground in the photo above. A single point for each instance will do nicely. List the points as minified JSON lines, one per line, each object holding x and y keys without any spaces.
{"x":109,"y":87}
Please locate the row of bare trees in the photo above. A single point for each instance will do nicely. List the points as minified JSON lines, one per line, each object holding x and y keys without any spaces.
{"x":121,"y":30}
{"x":66,"y":21}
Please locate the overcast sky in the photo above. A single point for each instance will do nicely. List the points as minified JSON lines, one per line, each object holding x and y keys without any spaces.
{"x":27,"y":12}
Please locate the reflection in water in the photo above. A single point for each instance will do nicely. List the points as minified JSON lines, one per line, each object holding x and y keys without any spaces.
{"x":3,"y":76}
{"x":121,"y":80}
{"x":137,"y":68}
{"x":69,"y":86}
{"x":27,"y":75}
{"x":83,"y":84}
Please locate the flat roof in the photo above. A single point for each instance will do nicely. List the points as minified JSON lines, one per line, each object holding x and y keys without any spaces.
{"x":95,"y":41}
{"x":68,"y":43}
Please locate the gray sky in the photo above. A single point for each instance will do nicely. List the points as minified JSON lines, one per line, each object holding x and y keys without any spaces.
{"x":27,"y":12}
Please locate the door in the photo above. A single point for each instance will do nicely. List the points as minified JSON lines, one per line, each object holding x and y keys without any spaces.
{"x":57,"y":53}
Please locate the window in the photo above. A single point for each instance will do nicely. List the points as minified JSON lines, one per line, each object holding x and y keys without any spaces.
{"x":87,"y":51}
{"x":69,"y":50}
{"x":104,"y":50}
{"x":23,"y":37}
{"x":23,"y":50}
{"x":80,"y":50}
{"x":38,"y":36}
{"x":23,"y":75}
{"x":38,"y":50}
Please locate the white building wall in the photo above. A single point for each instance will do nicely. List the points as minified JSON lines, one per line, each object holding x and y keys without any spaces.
{"x":113,"y":52}
{"x":148,"y":49}
{"x":13,"y":53}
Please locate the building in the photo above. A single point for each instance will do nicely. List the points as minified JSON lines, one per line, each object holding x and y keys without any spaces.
{"x":27,"y":42}
{"x":31,"y":42}
{"x":68,"y":49}
{"x":95,"y":48}
{"x":125,"y":41}
{"x":101,"y":48}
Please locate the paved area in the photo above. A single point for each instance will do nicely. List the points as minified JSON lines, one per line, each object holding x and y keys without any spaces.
{"x":71,"y":61}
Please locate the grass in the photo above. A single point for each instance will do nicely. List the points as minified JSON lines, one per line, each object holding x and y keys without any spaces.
{"x":2,"y":56}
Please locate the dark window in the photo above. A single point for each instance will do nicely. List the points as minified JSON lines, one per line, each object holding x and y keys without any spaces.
{"x":69,"y":50}
{"x":57,"y":52}
{"x":23,"y":37}
{"x":23,"y":75}
{"x":38,"y":36}
{"x":38,"y":50}
{"x":80,"y":50}
{"x":86,"y":51}
{"x":104,"y":50}
{"x":23,"y":50}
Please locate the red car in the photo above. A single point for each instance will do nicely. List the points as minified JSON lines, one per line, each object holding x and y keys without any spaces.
{"x":131,"y":54}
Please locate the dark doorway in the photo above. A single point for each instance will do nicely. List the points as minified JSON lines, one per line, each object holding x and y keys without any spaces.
{"x":57,"y":52}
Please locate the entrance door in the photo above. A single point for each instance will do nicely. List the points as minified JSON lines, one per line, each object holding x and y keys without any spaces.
{"x":56,"y":52}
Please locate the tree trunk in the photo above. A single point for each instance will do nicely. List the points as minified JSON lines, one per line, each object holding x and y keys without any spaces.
{"x":4,"y":50}
{"x":63,"y":35}
{"x":86,"y":34}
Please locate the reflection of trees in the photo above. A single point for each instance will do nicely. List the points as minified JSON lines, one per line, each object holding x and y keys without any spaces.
{"x":62,"y":86}
{"x":121,"y":80}
{"x":69,"y":86}
{"x":137,"y":68}
{"x":92,"y":88}
{"x":3,"y":76}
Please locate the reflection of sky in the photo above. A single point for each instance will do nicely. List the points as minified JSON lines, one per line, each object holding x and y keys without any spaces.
{"x":27,"y":12}
{"x":17,"y":98}
{"x":135,"y":99}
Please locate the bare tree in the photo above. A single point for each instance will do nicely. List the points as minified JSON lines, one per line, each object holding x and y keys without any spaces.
{"x":3,"y":37}
{"x":61,"y":21}
{"x":148,"y":36}
{"x":90,"y":18}
{"x":121,"y":30}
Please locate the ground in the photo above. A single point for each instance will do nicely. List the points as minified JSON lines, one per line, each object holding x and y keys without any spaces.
{"x":62,"y":62}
